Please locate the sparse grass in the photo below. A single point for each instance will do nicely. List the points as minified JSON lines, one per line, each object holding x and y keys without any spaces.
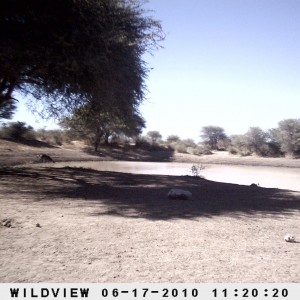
{"x":196,"y":169}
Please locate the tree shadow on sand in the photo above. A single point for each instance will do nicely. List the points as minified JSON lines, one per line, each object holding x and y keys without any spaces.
{"x":30,"y":142}
{"x":132,"y":153}
{"x":145,"y":196}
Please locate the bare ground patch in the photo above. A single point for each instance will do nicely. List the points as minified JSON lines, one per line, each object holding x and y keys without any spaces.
{"x":114,"y":227}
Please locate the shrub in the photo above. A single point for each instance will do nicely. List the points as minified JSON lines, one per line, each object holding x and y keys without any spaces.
{"x":212,"y":135}
{"x":288,"y":136}
{"x":172,"y":139}
{"x":143,"y":143}
{"x":189,"y":143}
{"x":17,"y":130}
{"x":155,"y":136}
{"x":180,"y":147}
{"x":201,"y":150}
{"x":54,"y":137}
{"x":239,"y":145}
{"x":197,"y":169}
{"x":256,"y":141}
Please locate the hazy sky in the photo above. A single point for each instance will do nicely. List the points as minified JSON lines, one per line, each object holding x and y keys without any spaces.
{"x":231,"y":63}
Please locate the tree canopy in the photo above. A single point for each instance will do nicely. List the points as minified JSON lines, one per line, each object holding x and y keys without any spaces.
{"x":212,"y":135}
{"x":257,"y":140}
{"x":68,"y":53}
{"x":154,"y":135}
{"x":96,"y":126}
{"x":288,"y":136}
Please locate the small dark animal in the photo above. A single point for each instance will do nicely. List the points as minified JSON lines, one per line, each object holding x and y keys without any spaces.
{"x":44,"y":158}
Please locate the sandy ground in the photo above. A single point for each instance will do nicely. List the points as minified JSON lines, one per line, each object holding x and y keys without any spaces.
{"x":81,"y":225}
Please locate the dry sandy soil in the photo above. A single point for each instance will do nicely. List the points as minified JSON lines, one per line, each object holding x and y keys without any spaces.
{"x":81,"y":225}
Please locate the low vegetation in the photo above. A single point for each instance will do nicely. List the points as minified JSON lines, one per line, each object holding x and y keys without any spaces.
{"x":196,"y":170}
{"x":276,"y":142}
{"x":20,"y":131}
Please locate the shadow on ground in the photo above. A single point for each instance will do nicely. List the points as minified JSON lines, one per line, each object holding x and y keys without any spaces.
{"x":132,"y":153}
{"x":30,"y":142}
{"x":144,"y":196}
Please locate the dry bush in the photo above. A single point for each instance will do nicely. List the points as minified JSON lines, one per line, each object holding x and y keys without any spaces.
{"x":53,"y":137}
{"x":17,"y":130}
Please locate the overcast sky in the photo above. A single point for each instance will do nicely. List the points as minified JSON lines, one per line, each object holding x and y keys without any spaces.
{"x":231,"y":63}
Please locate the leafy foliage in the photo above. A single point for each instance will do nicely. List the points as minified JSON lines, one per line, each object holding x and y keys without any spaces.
{"x":239,"y":145}
{"x":173,"y":139}
{"x":68,"y":53}
{"x":17,"y":130}
{"x":256,"y":140}
{"x":212,"y":135}
{"x":96,"y":125}
{"x":200,"y":150}
{"x":155,"y":136}
{"x":288,"y":136}
{"x":180,"y":147}
{"x":196,"y":169}
{"x":53,"y":137}
{"x":7,"y":108}
{"x":276,"y":142}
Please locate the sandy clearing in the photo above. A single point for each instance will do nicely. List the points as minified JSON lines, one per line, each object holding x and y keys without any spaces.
{"x":113,"y":227}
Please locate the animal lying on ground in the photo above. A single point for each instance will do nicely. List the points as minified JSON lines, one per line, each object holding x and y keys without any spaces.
{"x":179,"y":194}
{"x":44,"y":158}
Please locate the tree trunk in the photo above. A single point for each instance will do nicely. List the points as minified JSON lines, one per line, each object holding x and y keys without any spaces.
{"x":106,"y":137}
{"x":96,"y":145}
{"x":98,"y":137}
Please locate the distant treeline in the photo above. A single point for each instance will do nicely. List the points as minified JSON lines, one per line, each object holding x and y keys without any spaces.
{"x":281,"y":141}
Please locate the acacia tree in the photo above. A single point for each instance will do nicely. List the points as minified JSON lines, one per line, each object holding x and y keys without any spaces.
{"x":273,"y":142}
{"x":173,"y":139}
{"x":154,"y":135}
{"x":98,"y":126}
{"x":257,"y":141}
{"x":288,"y":136}
{"x":239,"y":144}
{"x":68,"y":53}
{"x":212,"y":135}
